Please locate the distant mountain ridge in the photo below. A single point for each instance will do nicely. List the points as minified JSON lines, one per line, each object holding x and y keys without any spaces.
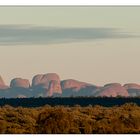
{"x":50,"y":85}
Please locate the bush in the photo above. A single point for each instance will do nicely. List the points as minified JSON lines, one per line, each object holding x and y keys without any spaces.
{"x":70,"y":120}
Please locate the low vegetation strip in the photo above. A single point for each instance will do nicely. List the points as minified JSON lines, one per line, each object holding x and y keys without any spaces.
{"x":69,"y":101}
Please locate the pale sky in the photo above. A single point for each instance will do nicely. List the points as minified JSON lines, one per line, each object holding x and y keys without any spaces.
{"x":98,"y":45}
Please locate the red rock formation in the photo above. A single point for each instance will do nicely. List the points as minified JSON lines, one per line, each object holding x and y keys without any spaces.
{"x":1,"y":81}
{"x":112,"y":89}
{"x":54,"y":87}
{"x":19,"y":82}
{"x":50,"y":81}
{"x":71,"y":83}
{"x":112,"y":84}
{"x":49,"y":85}
{"x":131,"y":86}
{"x":2,"y":84}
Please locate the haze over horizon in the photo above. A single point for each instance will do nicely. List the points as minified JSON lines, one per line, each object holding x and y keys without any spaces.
{"x":98,"y":45}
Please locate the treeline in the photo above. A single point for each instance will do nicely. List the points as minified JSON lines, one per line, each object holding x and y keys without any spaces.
{"x":70,"y":120}
{"x":70,"y":101}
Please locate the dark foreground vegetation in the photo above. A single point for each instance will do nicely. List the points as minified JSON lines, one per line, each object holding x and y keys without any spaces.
{"x":70,"y":120}
{"x":70,"y":101}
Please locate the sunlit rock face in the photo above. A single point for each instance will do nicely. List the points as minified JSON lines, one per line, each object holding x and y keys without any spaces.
{"x":49,"y":81}
{"x":133,"y":89}
{"x":132,"y":86}
{"x":2,"y":84}
{"x":19,"y":82}
{"x":71,"y":83}
{"x":71,"y":87}
{"x":1,"y":81}
{"x":112,"y":90}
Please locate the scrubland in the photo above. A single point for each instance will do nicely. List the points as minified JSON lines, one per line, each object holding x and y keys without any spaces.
{"x":70,"y":120}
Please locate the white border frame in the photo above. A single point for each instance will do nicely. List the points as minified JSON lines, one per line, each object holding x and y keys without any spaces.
{"x":69,"y":2}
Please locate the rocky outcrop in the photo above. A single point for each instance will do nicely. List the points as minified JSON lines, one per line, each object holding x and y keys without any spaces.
{"x":71,"y":83}
{"x":54,"y":87}
{"x":71,"y":87}
{"x":50,"y":82}
{"x":131,"y":86}
{"x":112,"y":90}
{"x":1,"y":81}
{"x":19,"y":82}
{"x":133,"y":89}
{"x":87,"y":91}
{"x":50,"y":85}
{"x":2,"y":84}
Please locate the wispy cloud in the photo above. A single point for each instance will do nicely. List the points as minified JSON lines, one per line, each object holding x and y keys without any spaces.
{"x":27,"y":34}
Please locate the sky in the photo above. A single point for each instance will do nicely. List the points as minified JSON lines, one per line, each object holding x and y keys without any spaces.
{"x":97,"y":45}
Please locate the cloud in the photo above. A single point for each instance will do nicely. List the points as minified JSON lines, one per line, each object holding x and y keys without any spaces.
{"x":28,"y":34}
